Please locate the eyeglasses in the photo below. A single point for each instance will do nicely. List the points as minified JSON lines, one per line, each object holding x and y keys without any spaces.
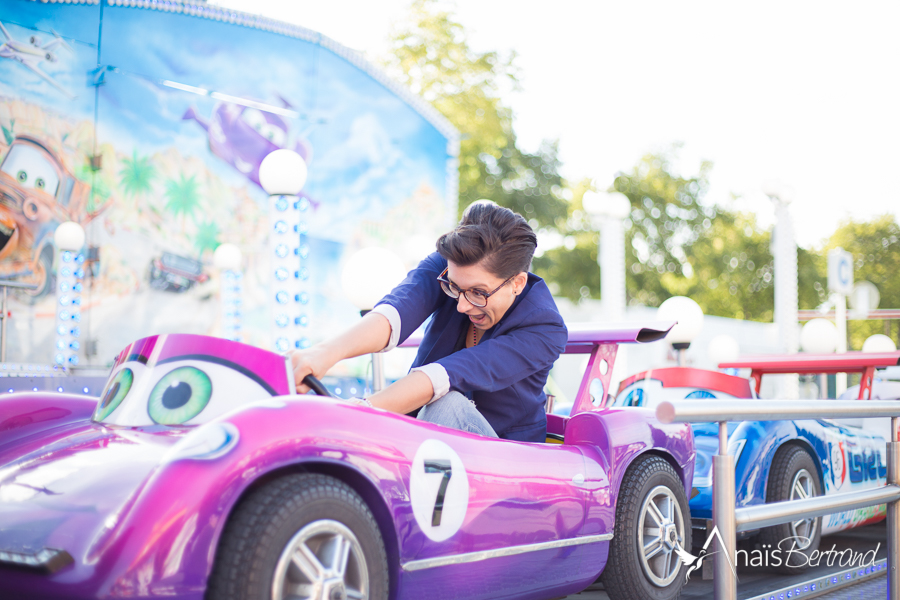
{"x":473,"y":297}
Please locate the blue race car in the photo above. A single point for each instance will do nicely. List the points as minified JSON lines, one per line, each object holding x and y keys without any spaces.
{"x":775,"y":460}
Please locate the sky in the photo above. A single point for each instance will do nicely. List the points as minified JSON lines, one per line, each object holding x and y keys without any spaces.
{"x":800,"y":98}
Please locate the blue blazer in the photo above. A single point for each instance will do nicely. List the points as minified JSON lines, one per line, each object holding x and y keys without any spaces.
{"x":506,"y":372}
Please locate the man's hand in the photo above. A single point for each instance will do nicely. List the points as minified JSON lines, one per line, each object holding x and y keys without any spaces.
{"x":307,"y":362}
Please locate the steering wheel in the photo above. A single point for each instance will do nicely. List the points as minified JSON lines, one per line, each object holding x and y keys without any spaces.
{"x":316,"y":386}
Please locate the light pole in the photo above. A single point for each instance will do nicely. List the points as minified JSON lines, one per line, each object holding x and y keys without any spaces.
{"x":282,"y":174}
{"x":609,"y":210}
{"x":368,"y":275}
{"x":690,"y":321}
{"x":69,"y":239}
{"x":820,"y":336}
{"x":227,"y":258}
{"x":784,"y":249}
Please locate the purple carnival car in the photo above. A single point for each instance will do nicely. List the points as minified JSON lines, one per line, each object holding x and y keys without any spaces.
{"x":200,"y":474}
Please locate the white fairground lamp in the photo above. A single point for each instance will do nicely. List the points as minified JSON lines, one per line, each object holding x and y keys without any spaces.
{"x":368,"y":275}
{"x":69,"y":239}
{"x":282,"y":175}
{"x":690,"y":321}
{"x":818,"y":336}
{"x":879,"y":343}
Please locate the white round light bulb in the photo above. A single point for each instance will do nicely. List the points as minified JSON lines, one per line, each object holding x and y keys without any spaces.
{"x":688,"y":314}
{"x":818,"y":336}
{"x":283,"y":173}
{"x":879,"y":343}
{"x":369,"y":274}
{"x":227,"y":257}
{"x":69,"y":236}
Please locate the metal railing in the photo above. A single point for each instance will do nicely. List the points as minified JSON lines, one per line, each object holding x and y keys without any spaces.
{"x":4,"y":314}
{"x":730,"y":520}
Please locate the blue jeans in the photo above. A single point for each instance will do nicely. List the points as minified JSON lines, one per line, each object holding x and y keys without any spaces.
{"x":458,"y":412}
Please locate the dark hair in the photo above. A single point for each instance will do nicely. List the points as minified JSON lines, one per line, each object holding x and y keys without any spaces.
{"x":490,"y":234}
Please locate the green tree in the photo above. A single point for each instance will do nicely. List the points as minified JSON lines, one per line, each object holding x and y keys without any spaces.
{"x":182,"y":197}
{"x":137,"y":176}
{"x":875,"y":246}
{"x":430,"y":54}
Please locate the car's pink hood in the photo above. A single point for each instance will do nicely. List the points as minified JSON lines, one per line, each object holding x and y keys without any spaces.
{"x":70,"y":494}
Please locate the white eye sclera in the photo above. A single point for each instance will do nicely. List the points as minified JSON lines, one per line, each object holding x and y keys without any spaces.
{"x":180,"y":392}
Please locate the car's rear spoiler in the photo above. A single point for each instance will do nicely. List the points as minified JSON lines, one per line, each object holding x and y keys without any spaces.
{"x":863,"y":363}
{"x":584,"y":336}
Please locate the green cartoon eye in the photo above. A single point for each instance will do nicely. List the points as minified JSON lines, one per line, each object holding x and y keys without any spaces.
{"x":39,"y":183}
{"x":179,"y":396}
{"x":115,"y":393}
{"x":22,"y":176}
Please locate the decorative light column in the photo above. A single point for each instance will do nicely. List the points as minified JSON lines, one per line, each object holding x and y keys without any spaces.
{"x":609,"y":211}
{"x":690,"y":321}
{"x":784,"y":249}
{"x":819,"y":336}
{"x":282,"y":175}
{"x":227,"y":258}
{"x":368,"y":275}
{"x":69,"y":240}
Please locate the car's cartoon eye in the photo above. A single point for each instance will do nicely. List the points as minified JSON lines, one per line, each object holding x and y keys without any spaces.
{"x":700,"y":394}
{"x":179,"y":396}
{"x":39,"y":183}
{"x":22,"y":176}
{"x":118,"y":388}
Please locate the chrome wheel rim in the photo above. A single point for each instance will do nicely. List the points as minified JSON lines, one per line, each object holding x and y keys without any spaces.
{"x":323,"y":561}
{"x":660,"y":532}
{"x":802,"y":530}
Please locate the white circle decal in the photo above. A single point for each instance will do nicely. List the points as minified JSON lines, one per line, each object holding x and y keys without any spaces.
{"x":439,"y":490}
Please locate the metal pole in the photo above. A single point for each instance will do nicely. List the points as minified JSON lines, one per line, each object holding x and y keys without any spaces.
{"x":840,"y":320}
{"x":893,"y":515}
{"x":377,"y":371}
{"x":3,"y":328}
{"x":724,"y":581}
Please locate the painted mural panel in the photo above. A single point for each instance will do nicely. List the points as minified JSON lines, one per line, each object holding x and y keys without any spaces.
{"x":150,"y":134}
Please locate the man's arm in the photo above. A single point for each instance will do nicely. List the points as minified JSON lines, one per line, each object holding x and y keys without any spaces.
{"x":370,"y":334}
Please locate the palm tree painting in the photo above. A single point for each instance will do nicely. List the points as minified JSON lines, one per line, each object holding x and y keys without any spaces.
{"x":207,"y":237}
{"x":182,"y":197}
{"x":137,"y":176}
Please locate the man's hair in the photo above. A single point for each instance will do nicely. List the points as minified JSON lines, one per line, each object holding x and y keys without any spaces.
{"x":501,"y":240}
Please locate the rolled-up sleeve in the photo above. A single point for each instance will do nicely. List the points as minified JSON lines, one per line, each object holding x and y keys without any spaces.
{"x":390,"y":313}
{"x":414,"y":299}
{"x":440,"y":380}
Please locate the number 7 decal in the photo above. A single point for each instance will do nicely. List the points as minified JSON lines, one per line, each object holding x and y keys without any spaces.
{"x":438,"y":490}
{"x":439,"y":466}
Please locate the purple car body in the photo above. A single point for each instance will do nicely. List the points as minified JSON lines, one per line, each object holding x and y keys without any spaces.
{"x":129,"y":497}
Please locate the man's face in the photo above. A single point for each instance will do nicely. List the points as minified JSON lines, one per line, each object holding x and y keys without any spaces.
{"x":476,"y":277}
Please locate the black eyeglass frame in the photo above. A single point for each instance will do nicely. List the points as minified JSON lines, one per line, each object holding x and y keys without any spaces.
{"x":446,"y":283}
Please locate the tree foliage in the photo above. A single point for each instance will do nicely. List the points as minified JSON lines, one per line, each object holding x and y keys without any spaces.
{"x":875,"y":246}
{"x":430,"y":54}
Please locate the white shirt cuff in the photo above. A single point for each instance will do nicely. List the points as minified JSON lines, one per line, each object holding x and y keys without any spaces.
{"x":440,"y":381}
{"x":390,"y":313}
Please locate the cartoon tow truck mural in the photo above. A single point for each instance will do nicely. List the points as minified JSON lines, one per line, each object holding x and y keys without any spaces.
{"x":37,"y":193}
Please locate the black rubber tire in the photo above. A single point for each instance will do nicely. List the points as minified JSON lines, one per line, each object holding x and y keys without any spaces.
{"x":788,"y":462}
{"x":264,"y":522}
{"x":624,"y":577}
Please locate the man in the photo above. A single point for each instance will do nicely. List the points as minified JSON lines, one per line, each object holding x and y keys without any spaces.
{"x":493,"y":336}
